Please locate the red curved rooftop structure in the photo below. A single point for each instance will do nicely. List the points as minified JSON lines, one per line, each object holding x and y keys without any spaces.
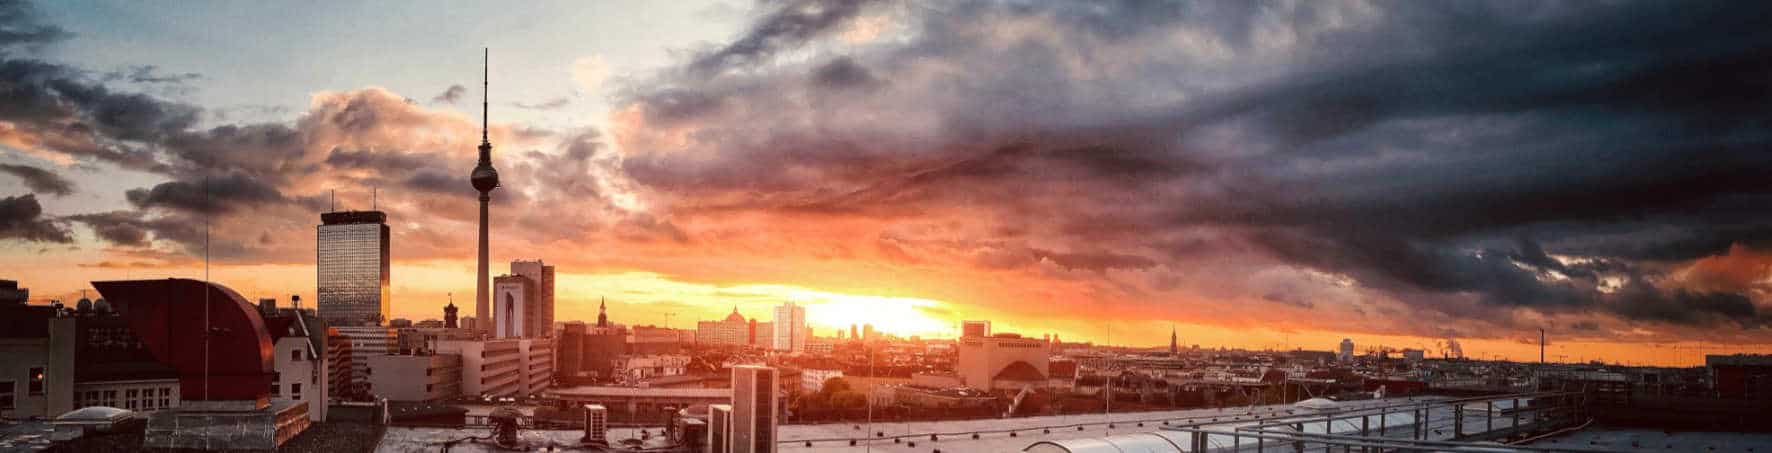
{"x":168,"y":316}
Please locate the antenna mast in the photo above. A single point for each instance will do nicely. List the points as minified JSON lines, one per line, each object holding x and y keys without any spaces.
{"x":485,"y":91}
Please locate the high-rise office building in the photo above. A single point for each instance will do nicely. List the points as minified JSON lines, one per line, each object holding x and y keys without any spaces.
{"x":351,"y":268}
{"x":975,"y":328}
{"x":540,"y":314}
{"x":719,"y":428}
{"x":789,"y":328}
{"x":754,"y":409}
{"x":512,"y":315}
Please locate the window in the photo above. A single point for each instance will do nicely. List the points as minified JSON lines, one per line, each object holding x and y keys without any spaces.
{"x":295,"y":354}
{"x":275,"y":390}
{"x":166,"y":391}
{"x":6,"y":395}
{"x":36,"y":385}
{"x":295,"y":391}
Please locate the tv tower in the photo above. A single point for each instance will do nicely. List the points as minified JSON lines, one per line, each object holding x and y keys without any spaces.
{"x":485,"y":179}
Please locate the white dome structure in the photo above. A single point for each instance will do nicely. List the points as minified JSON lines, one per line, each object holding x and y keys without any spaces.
{"x":1318,"y":404}
{"x":96,"y":419}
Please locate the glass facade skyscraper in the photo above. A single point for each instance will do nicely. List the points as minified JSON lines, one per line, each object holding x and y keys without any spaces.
{"x":351,"y":259}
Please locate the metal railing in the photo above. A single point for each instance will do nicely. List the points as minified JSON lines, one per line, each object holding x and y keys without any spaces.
{"x":1433,"y":425}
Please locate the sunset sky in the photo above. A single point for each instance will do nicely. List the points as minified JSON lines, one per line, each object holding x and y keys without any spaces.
{"x":1256,"y":174}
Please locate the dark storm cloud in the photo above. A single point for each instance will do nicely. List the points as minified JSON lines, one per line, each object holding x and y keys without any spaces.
{"x":791,"y":24}
{"x":21,"y":218}
{"x":450,"y":95}
{"x":40,"y":180}
{"x":216,"y":195}
{"x":20,"y":26}
{"x":1443,"y":154}
{"x":123,"y":228}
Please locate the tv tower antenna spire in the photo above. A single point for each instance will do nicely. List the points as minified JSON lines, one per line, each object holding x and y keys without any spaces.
{"x":485,"y":92}
{"x":484,"y":179}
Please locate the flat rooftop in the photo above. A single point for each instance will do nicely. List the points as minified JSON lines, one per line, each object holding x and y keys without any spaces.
{"x":955,"y":435}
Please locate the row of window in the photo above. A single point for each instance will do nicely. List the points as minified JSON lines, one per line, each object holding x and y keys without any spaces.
{"x":145,"y":399}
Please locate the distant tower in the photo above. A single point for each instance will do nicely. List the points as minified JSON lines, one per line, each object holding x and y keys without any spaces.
{"x":449,"y":319}
{"x":602,"y":313}
{"x":485,"y":179}
{"x":1174,"y":347}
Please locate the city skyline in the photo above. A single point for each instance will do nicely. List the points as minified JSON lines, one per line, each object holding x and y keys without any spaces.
{"x":1137,"y":172}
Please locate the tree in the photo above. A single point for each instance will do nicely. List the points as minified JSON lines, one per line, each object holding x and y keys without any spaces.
{"x":831,"y":387}
{"x":848,"y":400}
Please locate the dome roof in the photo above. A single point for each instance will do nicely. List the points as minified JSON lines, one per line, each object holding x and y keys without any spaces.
{"x":101,"y":305}
{"x":83,"y":305}
{"x":735,"y":317}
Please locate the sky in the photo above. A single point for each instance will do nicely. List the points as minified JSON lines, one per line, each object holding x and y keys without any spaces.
{"x":1255,"y":174}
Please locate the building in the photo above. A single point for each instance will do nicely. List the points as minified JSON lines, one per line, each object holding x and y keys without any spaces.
{"x":340,"y":380}
{"x":53,"y":360}
{"x":571,"y":348}
{"x":822,"y":345}
{"x":417,"y":377}
{"x":601,"y":346}
{"x":640,"y":404}
{"x":299,"y":357}
{"x":1741,"y":376}
{"x":1003,"y":361}
{"x":812,"y":379}
{"x":789,"y":329}
{"x":720,"y":428}
{"x":1346,"y":353}
{"x":733,"y":330}
{"x":421,"y":340}
{"x":540,"y":310}
{"x":755,"y":409}
{"x":351,"y":268}
{"x":657,"y":340}
{"x":11,"y":294}
{"x":502,"y":367}
{"x":1415,"y":355}
{"x":512,"y":297}
{"x":538,"y":365}
{"x":642,"y":367}
{"x":975,"y":328}
{"x":363,"y":342}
